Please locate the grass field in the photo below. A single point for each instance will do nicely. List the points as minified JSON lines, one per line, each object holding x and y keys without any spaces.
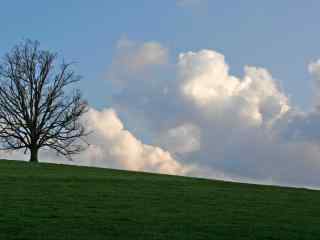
{"x":47,"y":201}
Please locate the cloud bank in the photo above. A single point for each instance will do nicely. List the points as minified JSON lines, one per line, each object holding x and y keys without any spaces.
{"x":240,"y":128}
{"x":192,"y":117}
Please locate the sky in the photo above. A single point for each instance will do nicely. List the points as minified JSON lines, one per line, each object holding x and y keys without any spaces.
{"x":217,"y":89}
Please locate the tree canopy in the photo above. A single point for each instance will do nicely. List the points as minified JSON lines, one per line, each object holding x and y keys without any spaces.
{"x":38,"y":107}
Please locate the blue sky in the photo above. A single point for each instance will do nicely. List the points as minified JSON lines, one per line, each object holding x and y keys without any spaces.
{"x":282,"y":35}
{"x":156,"y":106}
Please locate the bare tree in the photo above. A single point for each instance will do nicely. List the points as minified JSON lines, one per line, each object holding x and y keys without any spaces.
{"x":38,"y":109}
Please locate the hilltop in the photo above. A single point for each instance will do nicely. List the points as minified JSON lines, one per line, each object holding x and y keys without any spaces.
{"x":51,"y":201}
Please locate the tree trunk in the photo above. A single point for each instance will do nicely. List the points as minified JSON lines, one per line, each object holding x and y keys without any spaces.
{"x":34,"y":154}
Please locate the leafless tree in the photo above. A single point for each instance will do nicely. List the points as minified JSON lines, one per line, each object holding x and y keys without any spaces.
{"x":38,"y":109}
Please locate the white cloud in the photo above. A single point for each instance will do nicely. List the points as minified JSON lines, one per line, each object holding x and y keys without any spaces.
{"x":182,"y":139}
{"x":133,"y":59}
{"x":206,"y":81}
{"x":314,"y":70}
{"x":111,"y":145}
{"x":135,"y":56}
{"x":115,"y":144}
{"x":225,"y":126}
{"x":202,"y":121}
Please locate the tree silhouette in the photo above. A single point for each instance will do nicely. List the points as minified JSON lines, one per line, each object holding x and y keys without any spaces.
{"x":36,"y":110}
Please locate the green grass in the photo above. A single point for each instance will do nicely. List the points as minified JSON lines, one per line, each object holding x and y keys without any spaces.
{"x":47,"y":201}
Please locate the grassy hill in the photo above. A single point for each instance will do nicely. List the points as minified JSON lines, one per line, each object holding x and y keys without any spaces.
{"x":47,"y":201}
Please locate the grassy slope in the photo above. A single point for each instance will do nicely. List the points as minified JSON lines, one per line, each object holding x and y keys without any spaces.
{"x":45,"y":201}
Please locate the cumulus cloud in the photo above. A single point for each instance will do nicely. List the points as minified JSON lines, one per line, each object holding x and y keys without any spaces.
{"x":112,"y":142}
{"x":133,"y":59}
{"x":206,"y":81}
{"x":136,"y":56}
{"x":195,"y":118}
{"x":111,"y":145}
{"x":225,"y":126}
{"x":314,"y":70}
{"x":182,"y":139}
